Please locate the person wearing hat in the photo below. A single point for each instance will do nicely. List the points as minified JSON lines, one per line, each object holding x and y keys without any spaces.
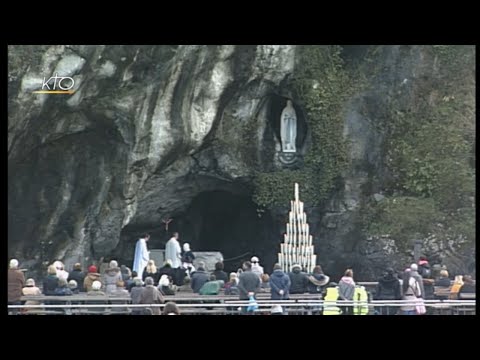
{"x":78,"y":276}
{"x":298,"y":280}
{"x":31,"y":290}
{"x":73,"y":286}
{"x":279,"y":284}
{"x":164,"y":286}
{"x":256,"y":268}
{"x":96,"y":291}
{"x":92,"y":276}
{"x":16,"y":281}
{"x":61,"y":273}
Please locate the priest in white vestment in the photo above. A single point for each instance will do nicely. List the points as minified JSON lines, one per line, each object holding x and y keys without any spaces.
{"x":173,"y":252}
{"x":141,"y":255}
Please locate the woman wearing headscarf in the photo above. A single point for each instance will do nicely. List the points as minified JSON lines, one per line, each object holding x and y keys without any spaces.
{"x":187,"y":259}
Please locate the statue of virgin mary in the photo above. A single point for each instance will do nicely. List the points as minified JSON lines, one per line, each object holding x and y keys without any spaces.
{"x":288,"y":128}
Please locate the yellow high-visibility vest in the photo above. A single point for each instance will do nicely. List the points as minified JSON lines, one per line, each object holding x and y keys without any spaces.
{"x":360,"y":298}
{"x":329,"y":305}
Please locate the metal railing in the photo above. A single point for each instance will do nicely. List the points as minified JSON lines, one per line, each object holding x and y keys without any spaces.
{"x":266,"y":304}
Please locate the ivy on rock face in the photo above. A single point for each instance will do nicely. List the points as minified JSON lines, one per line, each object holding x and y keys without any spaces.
{"x":320,"y":86}
{"x":430,"y":154}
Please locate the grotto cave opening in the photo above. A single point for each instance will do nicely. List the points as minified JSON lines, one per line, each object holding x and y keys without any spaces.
{"x":228,"y":222}
{"x":215,"y":220}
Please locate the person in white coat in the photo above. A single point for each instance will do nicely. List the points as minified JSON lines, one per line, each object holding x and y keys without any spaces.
{"x":61,"y":273}
{"x":256,"y":268}
{"x":141,"y":255}
{"x":173,"y":252}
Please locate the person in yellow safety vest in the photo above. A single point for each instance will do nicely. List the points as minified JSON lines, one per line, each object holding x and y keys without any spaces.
{"x":360,"y":298}
{"x":330,"y":299}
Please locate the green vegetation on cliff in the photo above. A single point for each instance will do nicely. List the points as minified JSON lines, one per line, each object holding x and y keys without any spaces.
{"x":320,"y":86}
{"x":430,"y":155}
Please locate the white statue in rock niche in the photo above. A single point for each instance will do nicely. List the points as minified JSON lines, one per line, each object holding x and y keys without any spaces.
{"x":288,"y":128}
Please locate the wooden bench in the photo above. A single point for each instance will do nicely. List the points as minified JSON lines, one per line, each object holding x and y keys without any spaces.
{"x":42,"y":312}
{"x":202,"y":311}
{"x":467,"y":309}
{"x":442,"y":292}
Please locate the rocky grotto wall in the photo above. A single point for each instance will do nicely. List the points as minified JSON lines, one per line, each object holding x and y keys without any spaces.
{"x":182,"y":132}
